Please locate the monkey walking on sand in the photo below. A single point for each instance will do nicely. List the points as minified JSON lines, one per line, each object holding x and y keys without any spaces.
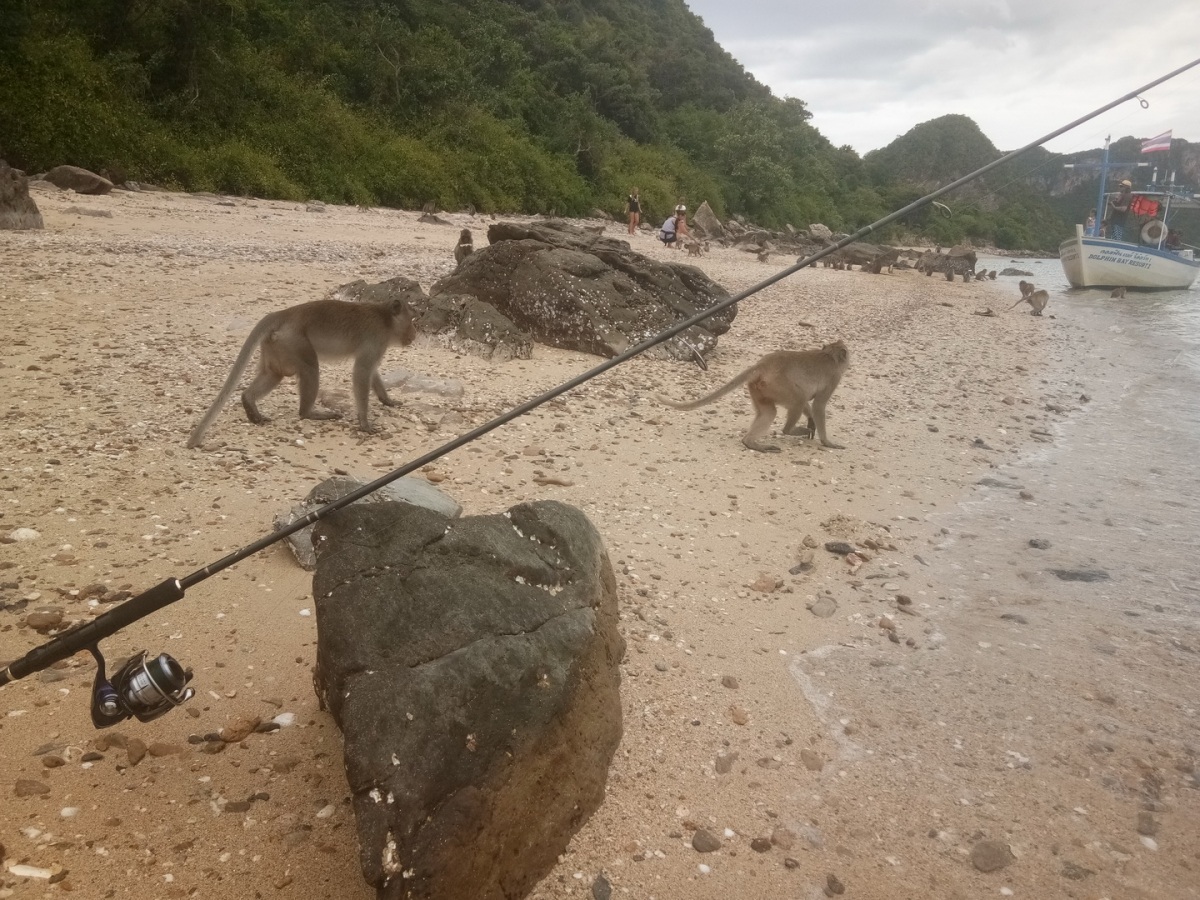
{"x":801,"y":381}
{"x":1118,"y":293}
{"x":295,"y":340}
{"x":465,"y":247}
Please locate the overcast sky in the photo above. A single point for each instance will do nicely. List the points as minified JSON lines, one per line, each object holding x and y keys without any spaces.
{"x":869,"y":70}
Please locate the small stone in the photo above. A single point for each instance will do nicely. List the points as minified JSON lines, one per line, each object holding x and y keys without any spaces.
{"x":724,"y":762}
{"x":161,"y":749}
{"x":823,"y":608}
{"x":1039,"y":543}
{"x":791,"y":863}
{"x":833,"y":887}
{"x":739,"y":715}
{"x":812,"y":760}
{"x":841,"y":548}
{"x":281,"y":883}
{"x":238,"y":728}
{"x":760,"y":845}
{"x":730,"y":682}
{"x":53,"y":762}
{"x":783,"y":837}
{"x":810,"y":542}
{"x":91,"y":756}
{"x":20,"y":535}
{"x":42,"y":620}
{"x":136,"y":749}
{"x":1015,"y":617}
{"x":886,"y":623}
{"x":26,"y":787}
{"x":237,"y":806}
{"x":1075,"y":872}
{"x":1147,"y":824}
{"x":1080,"y":574}
{"x":989,"y":856}
{"x":704,"y":841}
{"x":1025,"y":495}
{"x":601,"y":889}
{"x":661,"y":666}
{"x":764,"y":584}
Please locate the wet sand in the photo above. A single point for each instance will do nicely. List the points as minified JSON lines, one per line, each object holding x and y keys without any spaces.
{"x":1016,"y":720}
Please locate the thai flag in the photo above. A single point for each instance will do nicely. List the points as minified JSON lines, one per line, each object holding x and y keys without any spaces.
{"x":1154,"y":144}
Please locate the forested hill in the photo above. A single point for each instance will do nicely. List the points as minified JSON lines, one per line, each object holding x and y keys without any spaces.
{"x":508,"y":105}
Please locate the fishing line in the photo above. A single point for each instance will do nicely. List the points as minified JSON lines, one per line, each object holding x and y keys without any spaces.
{"x":147,"y":688}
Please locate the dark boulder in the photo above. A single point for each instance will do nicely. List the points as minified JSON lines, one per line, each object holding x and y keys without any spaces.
{"x":17,"y":210}
{"x":81,"y":181}
{"x":472,"y":665}
{"x":573,"y":288}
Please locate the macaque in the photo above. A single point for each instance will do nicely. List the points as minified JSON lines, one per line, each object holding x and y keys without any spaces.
{"x":294,"y":341}
{"x":465,"y":247}
{"x":801,"y":381}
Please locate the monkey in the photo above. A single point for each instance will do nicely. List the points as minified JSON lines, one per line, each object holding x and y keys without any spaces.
{"x":764,"y":255}
{"x":694,"y":248}
{"x":293,"y":341}
{"x":801,"y":381}
{"x":992,"y":274}
{"x":1118,"y":293}
{"x":464,"y":248}
{"x":1026,"y":289}
{"x":1035,"y":298}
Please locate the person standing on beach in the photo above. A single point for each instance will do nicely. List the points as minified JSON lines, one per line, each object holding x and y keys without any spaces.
{"x":681,"y":226}
{"x":633,"y":206}
{"x":1119,"y":211}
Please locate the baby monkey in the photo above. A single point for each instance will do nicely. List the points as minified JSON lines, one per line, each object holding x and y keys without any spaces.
{"x":294,"y":341}
{"x":801,"y":381}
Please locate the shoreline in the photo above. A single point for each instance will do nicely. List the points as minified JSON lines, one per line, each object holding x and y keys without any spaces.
{"x":130,"y":323}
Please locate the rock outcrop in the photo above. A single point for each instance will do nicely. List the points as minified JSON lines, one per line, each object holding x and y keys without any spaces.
{"x":573,"y":288}
{"x":81,"y":181}
{"x":472,"y":665}
{"x":18,"y":212}
{"x":705,"y":223}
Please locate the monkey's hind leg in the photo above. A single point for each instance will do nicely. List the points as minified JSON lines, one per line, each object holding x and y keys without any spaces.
{"x":308,"y":377}
{"x":794,"y":414}
{"x":764,"y":415}
{"x":264,"y":382}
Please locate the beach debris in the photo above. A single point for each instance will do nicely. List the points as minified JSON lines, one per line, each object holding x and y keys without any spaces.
{"x":986,"y":312}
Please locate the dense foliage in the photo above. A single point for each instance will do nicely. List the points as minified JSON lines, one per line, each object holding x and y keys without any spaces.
{"x":509,"y":105}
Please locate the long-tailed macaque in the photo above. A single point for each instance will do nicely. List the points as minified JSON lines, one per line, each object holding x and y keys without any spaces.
{"x":1118,"y":293}
{"x":1035,"y":298}
{"x":465,"y":246}
{"x":294,"y":341}
{"x":801,"y":381}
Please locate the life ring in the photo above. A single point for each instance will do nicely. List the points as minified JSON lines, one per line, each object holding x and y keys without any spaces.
{"x":1153,"y":232}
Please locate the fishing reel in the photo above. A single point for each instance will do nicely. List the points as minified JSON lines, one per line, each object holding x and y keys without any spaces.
{"x":142,"y":688}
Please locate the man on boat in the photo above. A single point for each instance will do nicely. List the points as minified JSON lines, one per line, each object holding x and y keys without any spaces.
{"x":1119,"y":210}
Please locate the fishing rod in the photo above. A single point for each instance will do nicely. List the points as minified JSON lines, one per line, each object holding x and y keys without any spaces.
{"x":147,"y":688}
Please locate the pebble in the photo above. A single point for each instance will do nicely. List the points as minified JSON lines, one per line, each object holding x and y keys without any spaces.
{"x":136,"y":749}
{"x":989,"y":856}
{"x":26,"y":787}
{"x":42,"y":620}
{"x":53,"y":762}
{"x":661,"y":666}
{"x":823,"y":607}
{"x":724,"y":762}
{"x":730,"y":682}
{"x":20,"y":535}
{"x":783,"y":837}
{"x":601,"y":889}
{"x":833,"y":887}
{"x":704,"y":841}
{"x":238,"y":728}
{"x":812,"y":760}
{"x":841,"y":548}
{"x":739,"y":715}
{"x":1146,"y":824}
{"x":760,"y":844}
{"x":1039,"y":543}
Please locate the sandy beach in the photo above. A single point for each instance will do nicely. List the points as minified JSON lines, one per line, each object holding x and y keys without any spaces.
{"x":933,"y":736}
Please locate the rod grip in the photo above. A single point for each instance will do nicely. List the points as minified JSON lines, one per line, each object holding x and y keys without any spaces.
{"x":90,"y":633}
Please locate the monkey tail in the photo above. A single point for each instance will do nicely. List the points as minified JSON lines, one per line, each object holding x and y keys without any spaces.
{"x":715,"y":395}
{"x":235,"y":374}
{"x":1018,"y":303}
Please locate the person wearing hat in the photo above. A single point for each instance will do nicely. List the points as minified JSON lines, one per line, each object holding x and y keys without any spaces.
{"x":1119,"y":210}
{"x":681,"y":226}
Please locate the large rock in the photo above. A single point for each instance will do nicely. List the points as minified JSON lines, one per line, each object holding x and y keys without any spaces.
{"x":575,"y":289}
{"x":81,"y":181}
{"x":416,"y":491}
{"x":17,"y":209}
{"x":706,"y":224}
{"x":820,"y":232}
{"x":472,"y":665}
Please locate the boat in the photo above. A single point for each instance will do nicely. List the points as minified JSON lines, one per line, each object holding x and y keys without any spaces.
{"x":1150,"y":258}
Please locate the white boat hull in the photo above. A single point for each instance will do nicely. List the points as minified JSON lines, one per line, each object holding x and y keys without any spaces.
{"x":1099,"y":262}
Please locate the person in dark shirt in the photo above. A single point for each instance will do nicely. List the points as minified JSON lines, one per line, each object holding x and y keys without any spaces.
{"x":633,"y":206}
{"x":1119,"y":211}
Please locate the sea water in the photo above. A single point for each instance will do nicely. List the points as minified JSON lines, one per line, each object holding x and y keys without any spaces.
{"x":1119,"y":485}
